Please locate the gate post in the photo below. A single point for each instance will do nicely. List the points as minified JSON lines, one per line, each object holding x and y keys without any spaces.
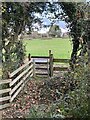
{"x":51,"y":65}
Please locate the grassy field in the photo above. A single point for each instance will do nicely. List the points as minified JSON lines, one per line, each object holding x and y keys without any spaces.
{"x":61,"y":48}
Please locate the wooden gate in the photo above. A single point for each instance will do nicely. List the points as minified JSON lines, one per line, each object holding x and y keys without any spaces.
{"x":41,"y":65}
{"x":47,"y":65}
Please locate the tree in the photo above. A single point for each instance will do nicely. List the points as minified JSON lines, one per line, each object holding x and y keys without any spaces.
{"x":74,"y":15}
{"x":15,"y":17}
{"x":55,"y":31}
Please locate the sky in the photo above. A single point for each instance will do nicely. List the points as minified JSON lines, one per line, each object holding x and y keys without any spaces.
{"x":60,"y":23}
{"x":47,"y":22}
{"x":43,"y":30}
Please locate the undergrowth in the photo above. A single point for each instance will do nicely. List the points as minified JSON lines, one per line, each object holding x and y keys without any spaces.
{"x":64,"y":97}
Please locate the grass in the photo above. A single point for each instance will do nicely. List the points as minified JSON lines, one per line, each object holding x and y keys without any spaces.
{"x":61,"y":48}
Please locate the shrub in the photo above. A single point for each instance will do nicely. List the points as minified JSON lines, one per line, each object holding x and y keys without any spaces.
{"x":77,"y":101}
{"x":70,"y":93}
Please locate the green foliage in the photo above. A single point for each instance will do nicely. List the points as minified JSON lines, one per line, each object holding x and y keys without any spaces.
{"x":77,"y":103}
{"x":15,"y":17}
{"x":13,"y":51}
{"x":45,"y":111}
{"x":13,"y":58}
{"x":66,"y":97}
{"x":55,"y":30}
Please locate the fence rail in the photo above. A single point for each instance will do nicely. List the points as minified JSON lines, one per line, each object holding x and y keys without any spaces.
{"x":2,"y":91}
{"x":19,"y":77}
{"x":19,"y":69}
{"x":61,"y":60}
{"x":17,"y":81}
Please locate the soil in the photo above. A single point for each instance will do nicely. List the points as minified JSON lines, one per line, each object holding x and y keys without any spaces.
{"x":29,"y":96}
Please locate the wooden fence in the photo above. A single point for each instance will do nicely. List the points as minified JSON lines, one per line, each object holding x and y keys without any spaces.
{"x":19,"y":77}
{"x":50,"y":63}
{"x":17,"y":80}
{"x":4,"y":99}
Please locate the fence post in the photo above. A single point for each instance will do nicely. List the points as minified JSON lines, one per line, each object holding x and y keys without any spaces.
{"x":51,"y":66}
{"x":33,"y":68}
{"x":29,"y":56}
{"x":49,"y":52}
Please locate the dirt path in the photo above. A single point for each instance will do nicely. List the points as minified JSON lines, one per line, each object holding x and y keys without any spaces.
{"x":29,"y":96}
{"x":20,"y":107}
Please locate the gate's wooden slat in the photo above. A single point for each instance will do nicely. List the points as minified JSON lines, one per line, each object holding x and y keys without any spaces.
{"x":41,"y":73}
{"x":4,"y":106}
{"x":61,"y":60}
{"x":5,"y":81}
{"x":40,"y":57}
{"x":20,"y":68}
{"x":17,"y":78}
{"x":22,"y":81}
{"x":5,"y":90}
{"x":5,"y":98}
{"x":41,"y":62}
{"x":60,"y":68}
{"x":41,"y":68}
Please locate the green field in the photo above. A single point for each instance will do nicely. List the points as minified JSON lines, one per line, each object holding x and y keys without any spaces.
{"x":61,"y":48}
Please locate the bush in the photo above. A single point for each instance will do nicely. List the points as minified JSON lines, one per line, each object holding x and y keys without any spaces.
{"x":75,"y":102}
{"x":66,"y":97}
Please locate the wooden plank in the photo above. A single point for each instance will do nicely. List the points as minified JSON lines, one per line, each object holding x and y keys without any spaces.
{"x":5,"y":81}
{"x":4,"y":106}
{"x":51,"y":66}
{"x":31,"y":75}
{"x":20,"y":68}
{"x":5,"y":90}
{"x":22,"y":81}
{"x":17,"y":92}
{"x":17,"y":78}
{"x":41,"y":73}
{"x":60,"y":68}
{"x":41,"y":68}
{"x":5,"y":98}
{"x":33,"y":68}
{"x":40,"y":57}
{"x":27,"y":75}
{"x":16,"y":87}
{"x":41,"y":63}
{"x":61,"y":60}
